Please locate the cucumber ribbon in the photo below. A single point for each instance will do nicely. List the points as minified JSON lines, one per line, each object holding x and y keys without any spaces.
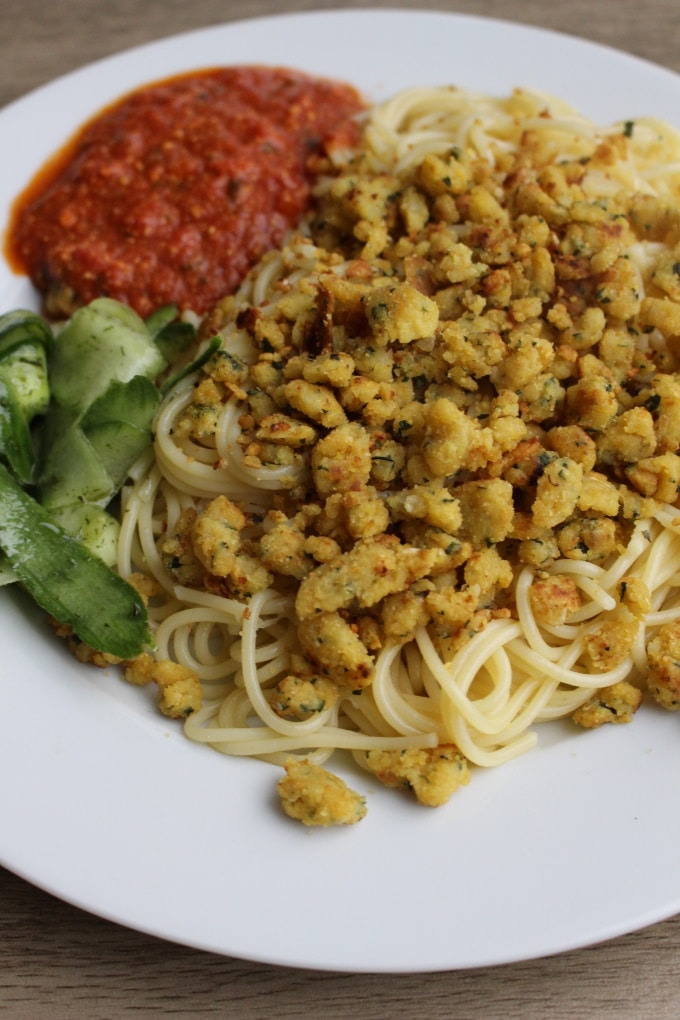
{"x":76,"y":411}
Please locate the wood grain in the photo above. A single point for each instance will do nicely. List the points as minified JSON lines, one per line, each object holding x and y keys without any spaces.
{"x":56,"y":960}
{"x":39,"y":41}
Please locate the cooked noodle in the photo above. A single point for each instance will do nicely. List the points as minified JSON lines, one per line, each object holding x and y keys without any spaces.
{"x":517,"y":670}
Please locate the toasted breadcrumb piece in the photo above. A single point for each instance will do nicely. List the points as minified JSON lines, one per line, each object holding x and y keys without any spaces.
{"x":663,"y":656}
{"x":585,"y":538}
{"x":400,"y":313}
{"x":179,"y":689}
{"x":629,"y":438}
{"x":217,"y":544}
{"x":301,"y":698}
{"x":615,"y":704}
{"x":633,"y":593}
{"x":658,"y":477}
{"x":82,"y":651}
{"x":336,"y":649}
{"x":342,"y":459}
{"x":433,"y":774}
{"x":371,"y":570}
{"x":200,"y":418}
{"x":557,"y":492}
{"x":487,"y":509}
{"x":573,"y":442}
{"x":177,"y":553}
{"x":609,"y":644}
{"x":554,"y":598}
{"x":315,"y":796}
{"x":487,"y":572}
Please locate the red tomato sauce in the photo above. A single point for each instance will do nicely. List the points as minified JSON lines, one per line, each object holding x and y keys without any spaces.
{"x":170,"y":195}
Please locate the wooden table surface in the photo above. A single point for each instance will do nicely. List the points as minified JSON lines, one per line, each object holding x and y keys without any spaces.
{"x":57,"y":961}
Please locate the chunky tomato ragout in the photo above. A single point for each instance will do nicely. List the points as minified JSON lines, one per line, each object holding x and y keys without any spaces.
{"x":171,"y":194}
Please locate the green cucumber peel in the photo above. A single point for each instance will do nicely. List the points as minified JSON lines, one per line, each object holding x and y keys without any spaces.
{"x":92,"y":390}
{"x":20,"y":327}
{"x":16,"y":442}
{"x":87,"y":457}
{"x":104,"y":398}
{"x":171,"y":335}
{"x":67,"y":580}
{"x":24,"y":390}
{"x":102,"y":342}
{"x":25,"y":367}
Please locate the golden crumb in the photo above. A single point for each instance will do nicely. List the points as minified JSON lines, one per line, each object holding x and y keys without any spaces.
{"x":317,"y":797}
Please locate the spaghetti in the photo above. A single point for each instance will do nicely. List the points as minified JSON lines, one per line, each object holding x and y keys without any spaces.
{"x":425,"y":495}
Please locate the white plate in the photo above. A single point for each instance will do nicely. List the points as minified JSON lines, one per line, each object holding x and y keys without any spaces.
{"x":106,"y":805}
